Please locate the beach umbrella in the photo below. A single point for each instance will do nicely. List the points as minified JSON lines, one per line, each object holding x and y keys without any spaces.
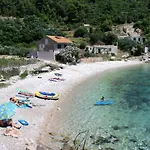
{"x":7,"y":110}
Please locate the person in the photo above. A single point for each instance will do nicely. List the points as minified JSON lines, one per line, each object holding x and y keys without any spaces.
{"x":15,"y":101}
{"x":6,"y":123}
{"x":102,"y":98}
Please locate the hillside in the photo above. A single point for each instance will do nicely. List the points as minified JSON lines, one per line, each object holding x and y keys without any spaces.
{"x":23,"y":23}
{"x":78,"y":11}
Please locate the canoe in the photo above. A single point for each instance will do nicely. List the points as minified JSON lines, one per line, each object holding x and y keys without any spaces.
{"x":106,"y":102}
{"x":47,"y":95}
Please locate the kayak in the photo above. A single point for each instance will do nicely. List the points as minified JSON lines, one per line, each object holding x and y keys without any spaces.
{"x":106,"y":102}
{"x":24,"y":122}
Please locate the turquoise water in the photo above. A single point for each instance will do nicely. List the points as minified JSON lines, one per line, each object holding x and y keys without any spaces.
{"x":124,"y":125}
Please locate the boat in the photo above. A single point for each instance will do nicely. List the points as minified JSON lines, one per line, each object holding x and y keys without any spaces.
{"x":56,"y":79}
{"x":106,"y":102}
{"x":26,"y":93}
{"x":47,"y":95}
{"x":18,"y":96}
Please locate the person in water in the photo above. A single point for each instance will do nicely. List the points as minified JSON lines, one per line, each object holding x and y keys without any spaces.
{"x":102,"y":98}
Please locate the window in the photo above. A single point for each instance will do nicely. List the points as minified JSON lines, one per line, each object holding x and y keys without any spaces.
{"x":59,"y":46}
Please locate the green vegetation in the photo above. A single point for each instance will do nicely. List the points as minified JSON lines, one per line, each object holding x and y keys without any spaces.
{"x":81,"y":32}
{"x":24,"y":74}
{"x":15,"y":62}
{"x":23,"y":22}
{"x":130,"y":46}
{"x":9,"y":73}
{"x":2,"y":85}
{"x":95,"y":12}
{"x":69,"y":55}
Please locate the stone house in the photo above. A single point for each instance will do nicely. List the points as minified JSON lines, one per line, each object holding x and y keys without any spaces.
{"x":49,"y":46}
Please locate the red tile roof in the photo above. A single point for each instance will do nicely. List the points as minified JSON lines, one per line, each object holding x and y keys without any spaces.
{"x":59,"y":39}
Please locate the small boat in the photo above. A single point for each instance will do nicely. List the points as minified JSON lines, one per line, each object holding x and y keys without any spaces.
{"x":56,"y":79}
{"x":24,"y":122}
{"x":106,"y":102}
{"x":18,"y":96}
{"x":26,"y":93}
{"x":47,"y":95}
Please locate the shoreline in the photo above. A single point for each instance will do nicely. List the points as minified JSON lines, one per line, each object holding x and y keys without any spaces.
{"x":37,"y":116}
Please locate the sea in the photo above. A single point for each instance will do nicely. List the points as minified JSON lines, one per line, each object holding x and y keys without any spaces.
{"x":123,"y":125}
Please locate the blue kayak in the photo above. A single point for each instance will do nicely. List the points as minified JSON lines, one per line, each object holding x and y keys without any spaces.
{"x":105,"y":102}
{"x":23,"y":122}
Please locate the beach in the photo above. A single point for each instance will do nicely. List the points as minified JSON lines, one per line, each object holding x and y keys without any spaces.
{"x":37,"y":116}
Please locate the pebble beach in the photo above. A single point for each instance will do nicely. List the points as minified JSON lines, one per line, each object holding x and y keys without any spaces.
{"x":31,"y":135}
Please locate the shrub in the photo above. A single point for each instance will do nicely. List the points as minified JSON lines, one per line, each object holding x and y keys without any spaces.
{"x":126,"y":44}
{"x":80,"y":32}
{"x":69,"y":54}
{"x":82,"y":45}
{"x":24,"y":74}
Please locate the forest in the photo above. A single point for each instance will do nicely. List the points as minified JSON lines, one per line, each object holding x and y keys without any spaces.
{"x":24,"y":22}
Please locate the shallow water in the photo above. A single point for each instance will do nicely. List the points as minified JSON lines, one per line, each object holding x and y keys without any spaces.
{"x":125,"y":124}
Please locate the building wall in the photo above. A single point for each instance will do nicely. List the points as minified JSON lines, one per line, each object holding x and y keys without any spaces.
{"x":46,"y":55}
{"x":47,"y":48}
{"x":138,"y":39}
{"x":46,"y":44}
{"x":103,"y":49}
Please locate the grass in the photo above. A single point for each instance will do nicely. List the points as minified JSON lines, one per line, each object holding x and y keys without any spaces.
{"x":76,"y":41}
{"x":3,"y":85}
{"x":24,"y":74}
{"x":15,"y":62}
{"x":9,"y":73}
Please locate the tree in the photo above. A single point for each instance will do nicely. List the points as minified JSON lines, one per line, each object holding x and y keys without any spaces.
{"x":94,"y":38}
{"x":80,"y":32}
{"x":82,"y":45}
{"x":106,"y":26}
{"x":70,"y":54}
{"x":72,"y":13}
{"x":110,"y":38}
{"x":138,"y":50}
{"x":126,"y":44}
